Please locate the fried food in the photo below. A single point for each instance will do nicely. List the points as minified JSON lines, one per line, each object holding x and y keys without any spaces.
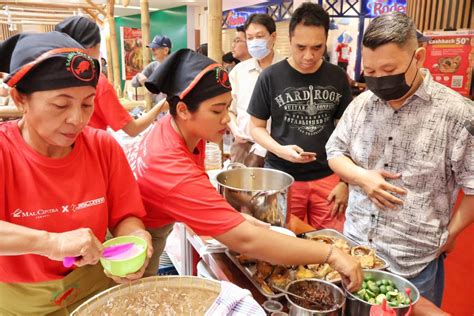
{"x":264,"y":268}
{"x":333,"y":276}
{"x":343,"y":245}
{"x":280,"y":277}
{"x":323,"y":238}
{"x":245,"y":260}
{"x":365,"y":255}
{"x":303,"y":273}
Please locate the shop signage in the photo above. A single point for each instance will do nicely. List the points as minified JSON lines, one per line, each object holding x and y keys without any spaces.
{"x":450,"y":59}
{"x":131,"y":45}
{"x":237,"y":17}
{"x":373,"y":8}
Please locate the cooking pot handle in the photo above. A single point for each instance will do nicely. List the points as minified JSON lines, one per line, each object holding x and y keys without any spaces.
{"x":236,"y":165}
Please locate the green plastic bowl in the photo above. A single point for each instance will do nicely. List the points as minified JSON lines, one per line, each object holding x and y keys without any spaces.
{"x":123,"y":267}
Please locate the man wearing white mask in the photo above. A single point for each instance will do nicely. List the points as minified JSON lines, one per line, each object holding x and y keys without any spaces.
{"x":260,"y":32}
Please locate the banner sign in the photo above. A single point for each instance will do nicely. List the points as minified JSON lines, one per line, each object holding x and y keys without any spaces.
{"x":131,"y":45}
{"x":374,"y":8}
{"x":450,"y":59}
{"x":237,"y":17}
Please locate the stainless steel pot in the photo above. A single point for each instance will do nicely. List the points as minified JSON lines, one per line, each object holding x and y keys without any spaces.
{"x":357,"y":307}
{"x":338,"y":294}
{"x":260,"y":192}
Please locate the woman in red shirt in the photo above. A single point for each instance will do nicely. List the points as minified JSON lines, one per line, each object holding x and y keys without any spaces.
{"x":62,"y":184}
{"x":169,"y":166}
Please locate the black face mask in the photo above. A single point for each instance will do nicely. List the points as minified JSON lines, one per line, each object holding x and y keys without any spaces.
{"x":391,"y":87}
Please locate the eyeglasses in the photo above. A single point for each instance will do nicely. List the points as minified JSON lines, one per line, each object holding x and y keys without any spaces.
{"x":237,"y":41}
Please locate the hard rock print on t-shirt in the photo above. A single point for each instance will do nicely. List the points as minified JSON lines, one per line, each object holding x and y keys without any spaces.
{"x":308,"y":109}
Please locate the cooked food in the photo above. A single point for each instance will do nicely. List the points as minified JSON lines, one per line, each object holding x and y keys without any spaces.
{"x":374,"y":292}
{"x":379,"y":263}
{"x":365,"y":255}
{"x":321,"y":270}
{"x":323,"y":238}
{"x":303,"y":273}
{"x":264,"y":268}
{"x":323,"y":297}
{"x":343,"y":245}
{"x":246,"y":260}
{"x":280,"y":277}
{"x":333,"y":276}
{"x":263,"y":285}
{"x":162,"y":301}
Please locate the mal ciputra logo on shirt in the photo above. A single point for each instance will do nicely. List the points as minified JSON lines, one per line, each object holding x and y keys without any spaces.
{"x":68,"y":208}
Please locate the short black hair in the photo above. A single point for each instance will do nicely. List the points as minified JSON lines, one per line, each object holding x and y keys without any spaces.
{"x":394,"y":27}
{"x":202,"y":49}
{"x":228,"y":58}
{"x":240,"y":28}
{"x":262,"y":19}
{"x":309,"y":14}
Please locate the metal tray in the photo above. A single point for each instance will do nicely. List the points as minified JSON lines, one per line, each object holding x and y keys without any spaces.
{"x":352,"y":243}
{"x":249,"y":271}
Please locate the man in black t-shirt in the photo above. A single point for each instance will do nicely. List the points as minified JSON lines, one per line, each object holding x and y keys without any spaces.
{"x":304,"y":96}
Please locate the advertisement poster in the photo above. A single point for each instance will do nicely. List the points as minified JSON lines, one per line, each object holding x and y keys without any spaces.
{"x":374,"y":8}
{"x":450,"y":59}
{"x":237,"y":17}
{"x":132,"y":60}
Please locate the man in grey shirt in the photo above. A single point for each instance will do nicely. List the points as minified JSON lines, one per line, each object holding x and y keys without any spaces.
{"x":406,"y":147}
{"x":161,"y":48}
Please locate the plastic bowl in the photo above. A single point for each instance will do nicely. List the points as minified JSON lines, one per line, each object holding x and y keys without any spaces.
{"x":122,"y":267}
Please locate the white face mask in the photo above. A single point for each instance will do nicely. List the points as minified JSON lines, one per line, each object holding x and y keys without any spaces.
{"x":258,"y":48}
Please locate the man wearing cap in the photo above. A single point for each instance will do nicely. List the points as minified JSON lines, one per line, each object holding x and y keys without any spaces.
{"x":161,"y":48}
{"x":107,"y":108}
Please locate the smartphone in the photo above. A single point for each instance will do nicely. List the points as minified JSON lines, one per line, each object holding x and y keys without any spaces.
{"x":307,"y":153}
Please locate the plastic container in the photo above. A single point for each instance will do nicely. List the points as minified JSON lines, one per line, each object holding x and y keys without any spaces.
{"x":272,"y":306}
{"x":122,"y":267}
{"x":213,"y":158}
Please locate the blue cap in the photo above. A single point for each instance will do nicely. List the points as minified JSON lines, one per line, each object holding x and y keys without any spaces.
{"x":160,"y":41}
{"x":421,"y":38}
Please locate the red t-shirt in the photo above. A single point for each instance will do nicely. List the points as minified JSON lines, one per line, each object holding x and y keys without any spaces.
{"x":174,"y":185}
{"x":343,"y":52}
{"x":92,"y":186}
{"x":107,"y":109}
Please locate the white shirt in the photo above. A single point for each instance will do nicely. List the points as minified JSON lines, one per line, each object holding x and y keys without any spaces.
{"x":243,"y":79}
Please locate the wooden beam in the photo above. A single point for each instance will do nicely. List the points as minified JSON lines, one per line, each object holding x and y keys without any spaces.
{"x":214,"y":32}
{"x":13,"y":9}
{"x":145,"y":16}
{"x":45,"y":5}
{"x":96,"y":7}
{"x":37,"y":15}
{"x":20,"y":20}
{"x":114,"y":48}
{"x":95,"y":17}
